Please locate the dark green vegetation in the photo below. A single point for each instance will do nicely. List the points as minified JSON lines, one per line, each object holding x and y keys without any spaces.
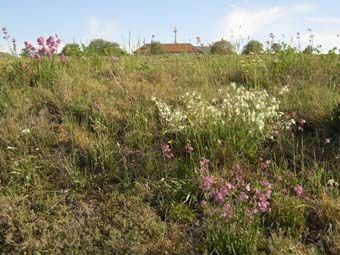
{"x":223,"y":48}
{"x":97,"y":47}
{"x":83,"y":171}
{"x":253,"y":47}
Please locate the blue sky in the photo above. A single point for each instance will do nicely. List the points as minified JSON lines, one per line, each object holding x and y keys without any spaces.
{"x":83,"y":20}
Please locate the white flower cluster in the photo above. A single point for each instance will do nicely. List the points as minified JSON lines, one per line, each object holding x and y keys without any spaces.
{"x":284,"y":90}
{"x":174,"y":119}
{"x":234,"y":105}
{"x":254,"y":63}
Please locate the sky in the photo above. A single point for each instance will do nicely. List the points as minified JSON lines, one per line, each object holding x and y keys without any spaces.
{"x":131,"y":22}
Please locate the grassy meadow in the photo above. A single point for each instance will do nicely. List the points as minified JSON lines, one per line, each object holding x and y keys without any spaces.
{"x":187,"y":154}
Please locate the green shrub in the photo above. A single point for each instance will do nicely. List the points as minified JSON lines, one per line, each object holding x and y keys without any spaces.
{"x":223,"y":48}
{"x":72,"y":50}
{"x":253,"y":47}
{"x":104,"y":48}
{"x":309,"y":50}
{"x":155,"y":48}
{"x":276,"y":47}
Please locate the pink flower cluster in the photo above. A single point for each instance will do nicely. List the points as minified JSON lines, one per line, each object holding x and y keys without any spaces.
{"x":299,"y":190}
{"x":167,"y":151}
{"x":264,"y":164}
{"x":223,"y":196}
{"x":46,"y":47}
{"x":188,"y":148}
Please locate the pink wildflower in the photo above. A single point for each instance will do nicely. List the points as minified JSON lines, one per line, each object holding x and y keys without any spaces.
{"x":262,"y":202}
{"x":50,"y":41}
{"x":204,"y":166}
{"x":227,"y":211}
{"x":219,"y":197}
{"x":229,"y":186}
{"x":167,"y":151}
{"x":298,"y":190}
{"x":203,"y":203}
{"x":264,"y":164}
{"x":189,"y":148}
{"x":41,"y":41}
{"x":207,"y":182}
{"x":204,"y":162}
{"x":243,"y":196}
{"x":268,"y":187}
{"x":263,"y":206}
{"x":250,"y":212}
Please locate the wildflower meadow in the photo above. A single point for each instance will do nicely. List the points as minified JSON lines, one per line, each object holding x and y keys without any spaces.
{"x":168,"y":154}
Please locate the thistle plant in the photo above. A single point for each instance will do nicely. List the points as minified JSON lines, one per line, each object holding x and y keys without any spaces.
{"x":12,"y":45}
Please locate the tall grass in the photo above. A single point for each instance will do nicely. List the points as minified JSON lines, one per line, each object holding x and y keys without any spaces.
{"x":94,"y":161}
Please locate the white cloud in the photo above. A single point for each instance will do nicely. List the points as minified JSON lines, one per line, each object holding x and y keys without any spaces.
{"x":251,"y":21}
{"x":243,"y":22}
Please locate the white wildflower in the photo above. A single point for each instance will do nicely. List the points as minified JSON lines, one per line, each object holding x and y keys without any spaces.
{"x":234,"y":104}
{"x":332,"y":183}
{"x":25,"y":131}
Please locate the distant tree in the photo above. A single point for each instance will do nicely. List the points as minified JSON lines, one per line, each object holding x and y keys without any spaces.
{"x":276,"y":48}
{"x":72,"y":50}
{"x":253,"y":46}
{"x":155,"y":48}
{"x":223,"y":48}
{"x":104,"y":48}
{"x":309,"y":50}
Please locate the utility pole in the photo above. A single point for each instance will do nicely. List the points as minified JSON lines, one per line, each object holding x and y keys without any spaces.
{"x":175,"y":32}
